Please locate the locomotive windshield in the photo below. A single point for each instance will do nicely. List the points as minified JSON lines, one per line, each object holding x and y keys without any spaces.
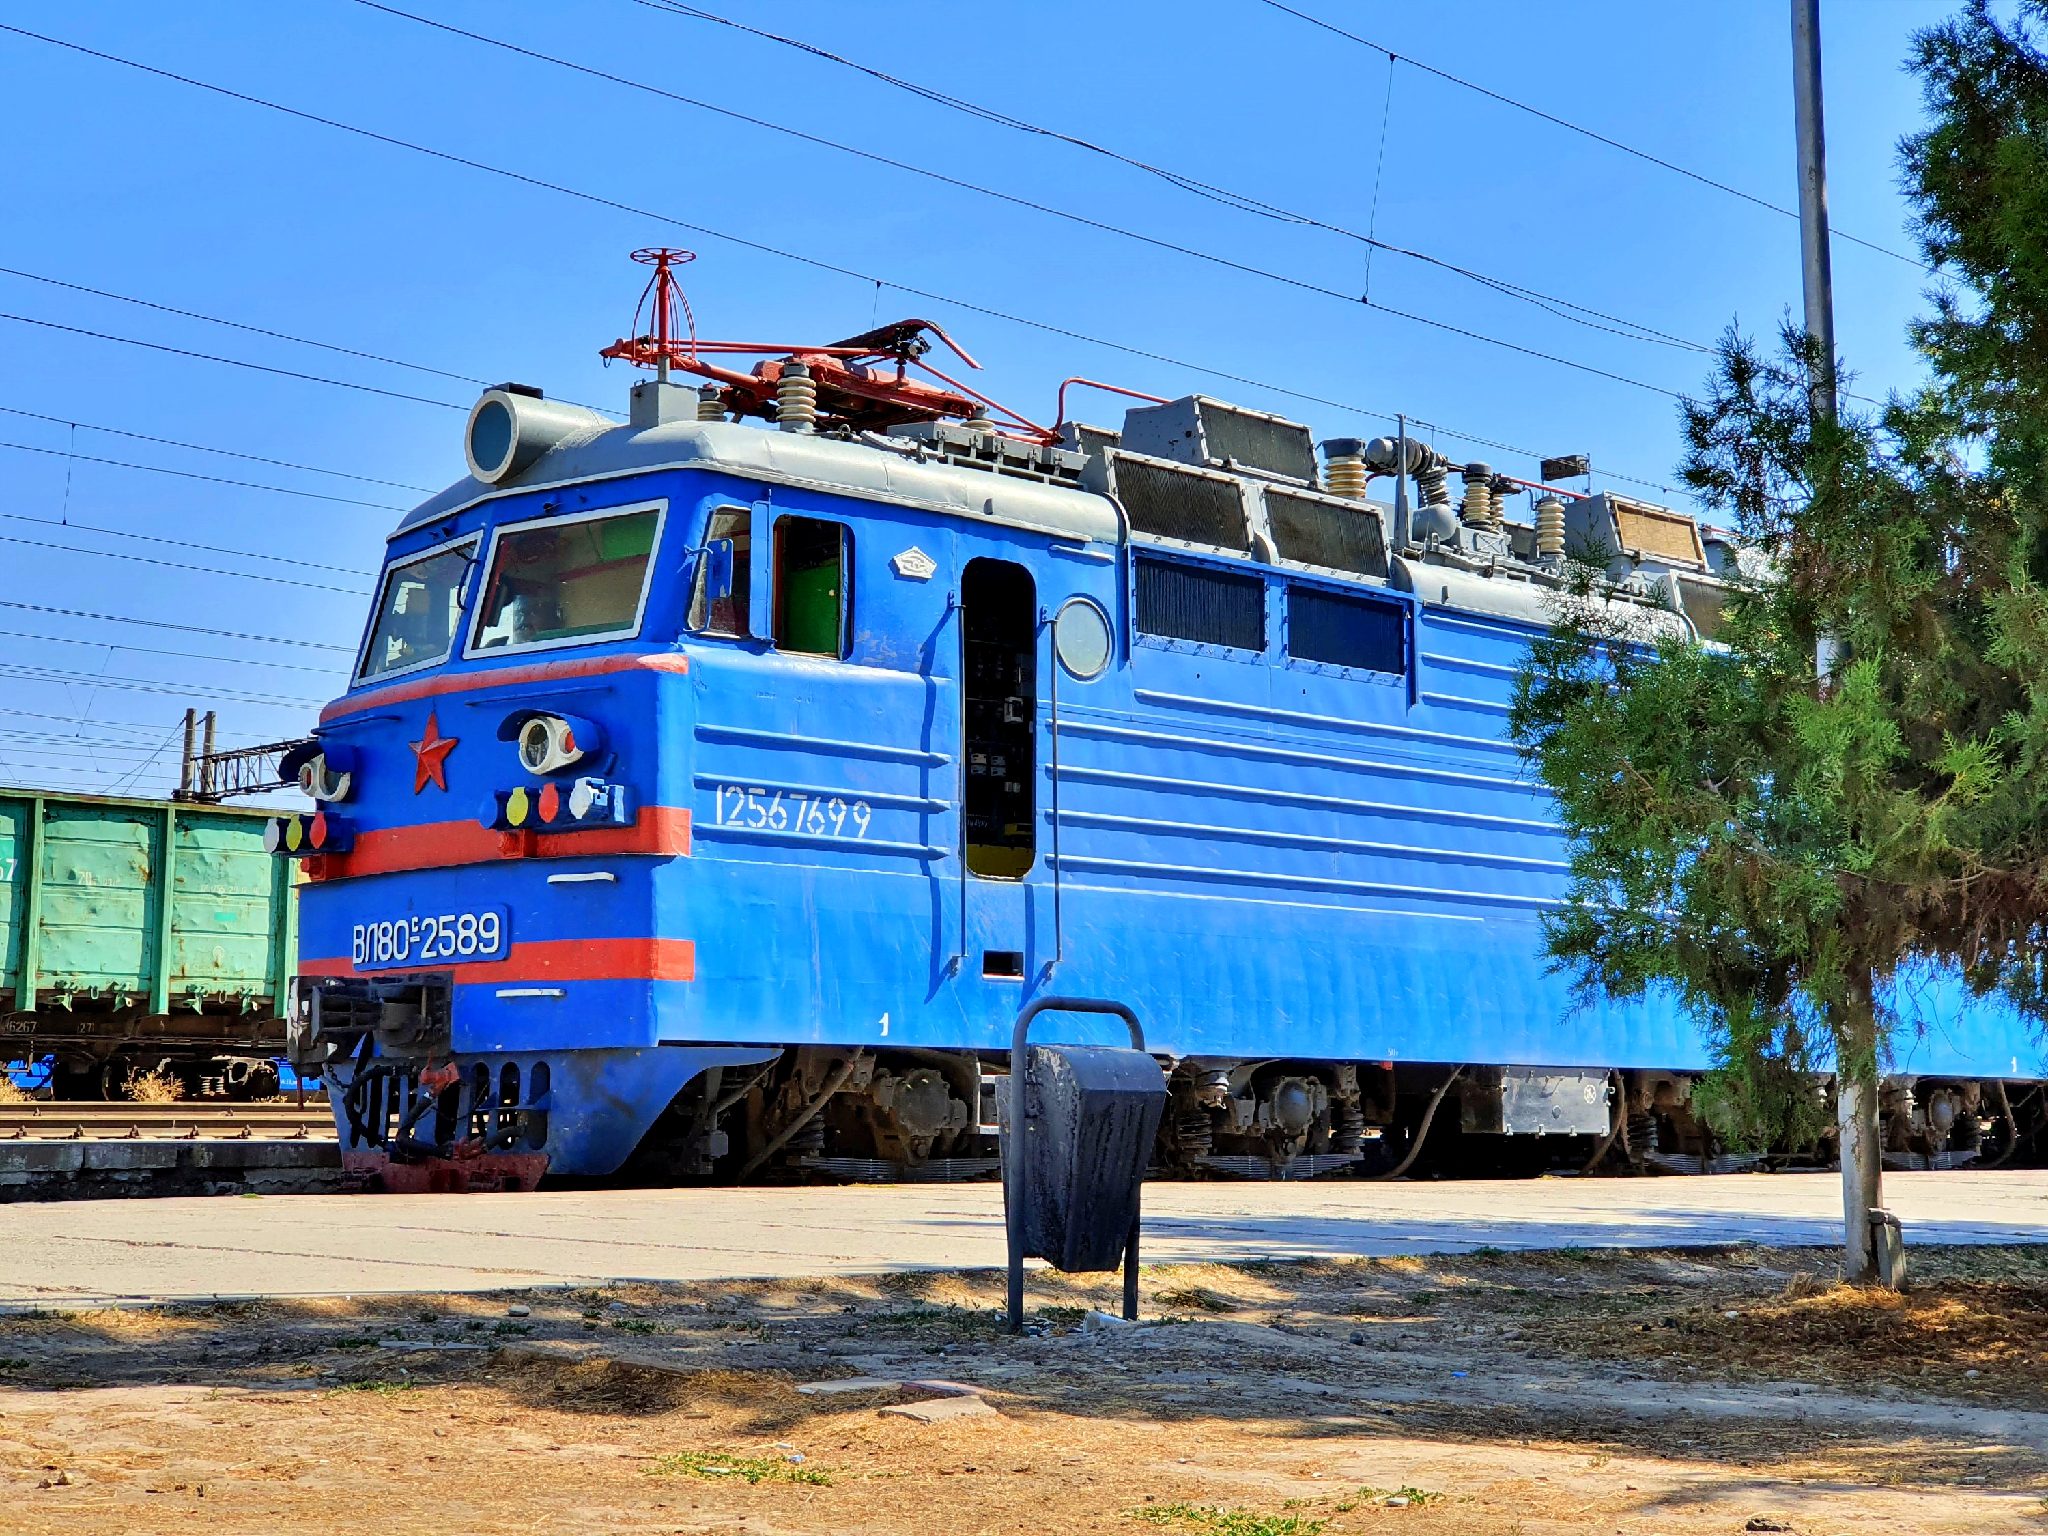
{"x":417,"y":611}
{"x":562,"y":581}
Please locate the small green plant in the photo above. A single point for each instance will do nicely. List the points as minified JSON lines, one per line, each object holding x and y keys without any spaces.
{"x":381,"y":1388}
{"x":1405,"y":1497}
{"x":1217,"y":1521}
{"x":506,"y":1328}
{"x":640,"y":1325}
{"x":352,"y":1341}
{"x":749,"y":1469}
{"x":1196,"y":1298}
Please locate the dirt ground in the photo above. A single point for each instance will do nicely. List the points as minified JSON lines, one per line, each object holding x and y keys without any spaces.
{"x":1678,"y":1392}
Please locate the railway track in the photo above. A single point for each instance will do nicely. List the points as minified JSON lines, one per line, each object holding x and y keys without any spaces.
{"x":61,"y":1121}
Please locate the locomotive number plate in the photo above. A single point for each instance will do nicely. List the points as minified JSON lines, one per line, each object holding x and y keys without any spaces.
{"x":791,"y":810}
{"x":484,"y":933}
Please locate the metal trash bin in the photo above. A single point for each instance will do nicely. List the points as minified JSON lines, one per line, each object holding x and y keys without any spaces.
{"x":1077,"y":1139}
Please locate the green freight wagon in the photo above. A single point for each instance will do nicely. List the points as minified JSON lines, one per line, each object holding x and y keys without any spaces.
{"x":142,"y":934}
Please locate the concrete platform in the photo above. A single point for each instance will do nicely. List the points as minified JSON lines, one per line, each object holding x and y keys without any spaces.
{"x":85,"y":1251}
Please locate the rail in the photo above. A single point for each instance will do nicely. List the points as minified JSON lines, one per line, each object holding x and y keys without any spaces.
{"x":56,"y":1120}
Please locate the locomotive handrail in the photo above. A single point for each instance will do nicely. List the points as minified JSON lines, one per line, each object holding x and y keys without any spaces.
{"x":1052,"y":736}
{"x":1013,"y":1148}
{"x":957,"y":602}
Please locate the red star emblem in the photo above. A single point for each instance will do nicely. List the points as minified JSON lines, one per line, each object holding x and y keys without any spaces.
{"x":430,"y":757}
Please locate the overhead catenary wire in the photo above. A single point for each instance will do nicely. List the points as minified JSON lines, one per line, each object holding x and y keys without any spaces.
{"x":186,"y":474}
{"x":119,"y":725}
{"x":231,"y":362}
{"x":261,"y":330}
{"x":135,"y":773}
{"x":189,"y":629}
{"x":18,"y":746}
{"x":57,"y":739}
{"x":231,"y":453}
{"x":1563,"y":308}
{"x":1223,"y":195}
{"x":148,"y":685}
{"x":744,"y":243}
{"x":177,"y":565}
{"x":339,"y":668}
{"x":211,"y":549}
{"x":1579,"y":128}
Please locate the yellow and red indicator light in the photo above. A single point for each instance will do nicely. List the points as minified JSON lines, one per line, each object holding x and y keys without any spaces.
{"x":298,"y":836}
{"x":589,"y":802}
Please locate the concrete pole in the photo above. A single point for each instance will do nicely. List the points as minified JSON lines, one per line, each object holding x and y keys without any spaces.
{"x":1816,"y":270}
{"x":185,"y":770}
{"x":1856,"y":1037}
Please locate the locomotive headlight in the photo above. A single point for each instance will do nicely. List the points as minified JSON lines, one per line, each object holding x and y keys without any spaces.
{"x":324,"y":770}
{"x":550,"y":743}
{"x":322,"y":780}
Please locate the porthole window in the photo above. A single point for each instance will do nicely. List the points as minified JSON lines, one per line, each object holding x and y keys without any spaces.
{"x":1080,"y":636}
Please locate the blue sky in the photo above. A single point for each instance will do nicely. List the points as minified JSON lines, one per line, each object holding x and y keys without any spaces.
{"x":137,"y":185}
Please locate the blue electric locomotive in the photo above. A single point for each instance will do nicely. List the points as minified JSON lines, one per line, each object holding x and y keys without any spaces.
{"x":720,"y":785}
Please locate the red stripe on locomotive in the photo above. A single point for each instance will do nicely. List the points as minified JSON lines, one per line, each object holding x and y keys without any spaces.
{"x":660,"y":830}
{"x":501,"y":677}
{"x":561,"y":960}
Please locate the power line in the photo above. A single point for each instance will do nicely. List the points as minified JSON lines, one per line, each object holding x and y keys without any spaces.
{"x":57,"y":739}
{"x":174,"y":565}
{"x":1230,"y":263}
{"x":149,"y":685}
{"x":136,"y":772}
{"x":1564,"y":309}
{"x":190,"y":629}
{"x":1598,"y":138}
{"x":146,"y":650}
{"x":232,"y":362}
{"x":100,"y":753}
{"x":242,"y":325}
{"x":186,"y":474}
{"x":231,"y":453}
{"x":211,"y":549}
{"x":254,"y":330}
{"x":814,"y":262}
{"x":118,"y":725}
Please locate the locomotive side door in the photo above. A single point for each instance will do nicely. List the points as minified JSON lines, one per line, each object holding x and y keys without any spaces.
{"x":999,"y":749}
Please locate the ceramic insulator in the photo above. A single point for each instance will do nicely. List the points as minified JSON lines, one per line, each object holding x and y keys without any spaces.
{"x":1478,"y":511}
{"x":1344,"y":475}
{"x":796,"y":399}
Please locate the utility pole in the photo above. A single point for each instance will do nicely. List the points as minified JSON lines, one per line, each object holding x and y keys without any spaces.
{"x":1856,"y":1039}
{"x":1816,"y":269}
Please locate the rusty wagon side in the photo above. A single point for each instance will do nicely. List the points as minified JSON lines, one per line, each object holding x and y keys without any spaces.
{"x":142,"y":934}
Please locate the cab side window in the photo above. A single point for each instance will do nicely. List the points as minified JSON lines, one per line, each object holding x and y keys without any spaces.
{"x":727,"y":612}
{"x":813,"y":587}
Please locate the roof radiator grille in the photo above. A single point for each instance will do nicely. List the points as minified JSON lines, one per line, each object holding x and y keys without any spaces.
{"x":1172,"y":503}
{"x":1338,"y":535}
{"x":1198,"y":430}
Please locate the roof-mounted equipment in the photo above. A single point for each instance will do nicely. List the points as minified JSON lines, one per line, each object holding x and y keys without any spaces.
{"x":860,"y":384}
{"x":1214,"y":434}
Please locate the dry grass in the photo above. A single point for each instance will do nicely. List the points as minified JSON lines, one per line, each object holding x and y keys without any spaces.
{"x":1948,"y":1333}
{"x":12,"y":1092}
{"x":158,"y":1086}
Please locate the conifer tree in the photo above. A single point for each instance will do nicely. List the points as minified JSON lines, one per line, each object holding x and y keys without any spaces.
{"x":1782,"y":849}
